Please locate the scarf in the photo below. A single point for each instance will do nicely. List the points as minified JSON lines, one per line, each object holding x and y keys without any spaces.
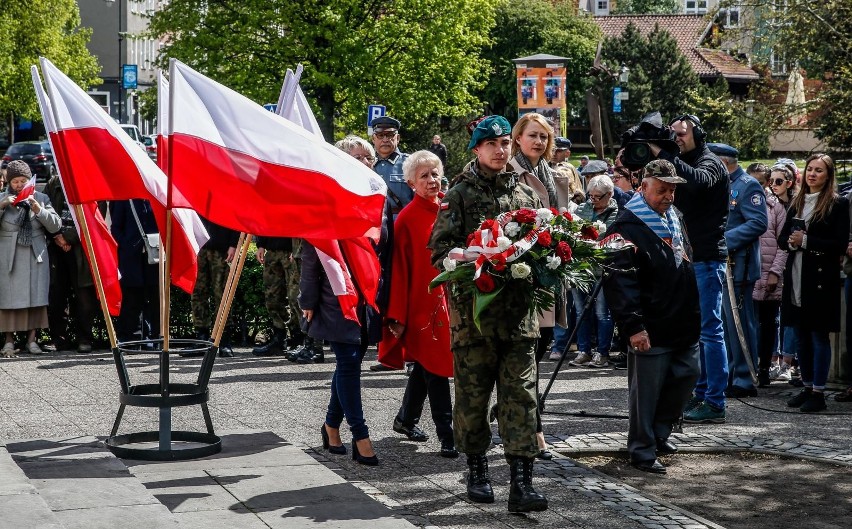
{"x":666,"y":227}
{"x":543,"y":172}
{"x":25,"y":228}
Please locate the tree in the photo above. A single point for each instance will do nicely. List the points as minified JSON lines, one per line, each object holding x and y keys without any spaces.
{"x":647,"y":7}
{"x":816,"y":36}
{"x":537,"y":26}
{"x":418,"y":57}
{"x":47,"y":28}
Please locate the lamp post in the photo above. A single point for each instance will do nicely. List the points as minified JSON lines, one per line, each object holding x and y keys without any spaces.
{"x":118,"y":59}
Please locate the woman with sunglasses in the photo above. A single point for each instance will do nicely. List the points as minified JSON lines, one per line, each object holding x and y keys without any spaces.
{"x":815,"y":233}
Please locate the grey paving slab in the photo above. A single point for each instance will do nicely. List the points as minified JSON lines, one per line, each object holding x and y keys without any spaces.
{"x":220,"y":519}
{"x":154,"y":516}
{"x":27,"y":510}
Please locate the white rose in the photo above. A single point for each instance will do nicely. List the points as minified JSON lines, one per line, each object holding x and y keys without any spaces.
{"x":600,"y":226}
{"x":543,"y":215}
{"x":553,"y":262}
{"x":520,"y":270}
{"x":512,"y":229}
{"x":449,"y":264}
{"x":503,"y":243}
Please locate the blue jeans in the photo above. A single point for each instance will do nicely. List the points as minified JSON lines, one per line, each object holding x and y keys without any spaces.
{"x":606,"y":327}
{"x":790,"y":340}
{"x":561,"y":334}
{"x":710,"y":276}
{"x":740,"y":374}
{"x":346,"y":391}
{"x":814,"y":357}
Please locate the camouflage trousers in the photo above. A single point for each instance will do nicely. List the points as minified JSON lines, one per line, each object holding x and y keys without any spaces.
{"x":278,"y":271}
{"x":511,"y":366}
{"x":212,"y":276}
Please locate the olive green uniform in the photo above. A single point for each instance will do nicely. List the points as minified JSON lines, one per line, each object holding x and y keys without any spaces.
{"x":502,"y":353}
{"x":281,"y":284}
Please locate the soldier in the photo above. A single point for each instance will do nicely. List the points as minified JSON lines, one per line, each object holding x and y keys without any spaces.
{"x":747,"y":221}
{"x":503,"y":351}
{"x":389,"y":160}
{"x":276,"y":256}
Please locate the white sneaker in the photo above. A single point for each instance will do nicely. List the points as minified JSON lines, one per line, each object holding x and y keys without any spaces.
{"x":580,"y":360}
{"x":598,"y":360}
{"x":554,"y":355}
{"x":8,"y":350}
{"x":784,"y":373}
{"x":774,"y":370}
{"x":34,"y":349}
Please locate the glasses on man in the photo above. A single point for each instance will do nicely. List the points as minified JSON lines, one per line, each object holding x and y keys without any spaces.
{"x":386,"y":135}
{"x":596,"y":198}
{"x":777,"y":181}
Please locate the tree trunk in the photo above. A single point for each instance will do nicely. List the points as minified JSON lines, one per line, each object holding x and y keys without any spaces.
{"x":325,"y":98}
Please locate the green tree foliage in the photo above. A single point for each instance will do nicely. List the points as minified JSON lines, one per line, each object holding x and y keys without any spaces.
{"x":33,"y":28}
{"x":420,"y":58}
{"x":816,"y":36}
{"x":647,"y":7}
{"x":660,"y":78}
{"x":538,"y":26}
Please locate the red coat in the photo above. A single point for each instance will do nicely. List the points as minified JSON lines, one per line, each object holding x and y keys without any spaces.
{"x":426,"y":339}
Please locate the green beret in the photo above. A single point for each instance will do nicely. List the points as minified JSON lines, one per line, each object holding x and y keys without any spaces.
{"x":490,"y":127}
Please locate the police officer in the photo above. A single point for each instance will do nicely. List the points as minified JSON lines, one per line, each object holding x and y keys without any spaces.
{"x":389,"y":160}
{"x":503,"y":351}
{"x":276,"y":256}
{"x":747,"y":221}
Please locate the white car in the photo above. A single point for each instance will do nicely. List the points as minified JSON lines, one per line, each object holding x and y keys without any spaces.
{"x":134,"y":133}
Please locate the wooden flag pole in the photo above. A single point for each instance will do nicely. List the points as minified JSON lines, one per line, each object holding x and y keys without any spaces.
{"x":87,"y":238}
{"x":231,"y":287}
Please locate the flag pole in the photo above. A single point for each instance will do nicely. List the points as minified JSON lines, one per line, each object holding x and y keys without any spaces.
{"x":230,"y":288}
{"x":87,"y":238}
{"x":165,"y":281}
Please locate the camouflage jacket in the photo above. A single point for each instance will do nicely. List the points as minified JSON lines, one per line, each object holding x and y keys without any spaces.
{"x":470,"y":201}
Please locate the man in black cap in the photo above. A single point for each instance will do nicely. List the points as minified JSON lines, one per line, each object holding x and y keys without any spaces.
{"x":563,"y":169}
{"x":389,"y":160}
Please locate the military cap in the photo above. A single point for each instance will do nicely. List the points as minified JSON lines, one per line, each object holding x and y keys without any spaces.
{"x":385,"y":123}
{"x":723,"y":149}
{"x":562,"y":143}
{"x":490,"y":127}
{"x":595,"y":166}
{"x":663,"y":170}
{"x":18,"y":169}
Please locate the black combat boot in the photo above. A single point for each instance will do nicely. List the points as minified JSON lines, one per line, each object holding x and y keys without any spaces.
{"x":304,"y":349}
{"x":274,"y":347}
{"x":311,"y":353}
{"x":478,"y":481}
{"x":296,"y":339}
{"x":522,"y":495}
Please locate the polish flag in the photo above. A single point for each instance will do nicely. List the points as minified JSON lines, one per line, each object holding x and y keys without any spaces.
{"x":162,"y":122}
{"x":26,"y":192}
{"x":102,"y":162}
{"x":253,"y":171}
{"x":104,"y":246}
{"x":293,"y":105}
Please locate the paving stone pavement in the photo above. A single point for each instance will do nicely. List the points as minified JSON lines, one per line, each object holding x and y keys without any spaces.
{"x":76,"y":395}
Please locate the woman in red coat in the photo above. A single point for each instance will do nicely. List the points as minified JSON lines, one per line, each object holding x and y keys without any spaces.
{"x":418,"y":328}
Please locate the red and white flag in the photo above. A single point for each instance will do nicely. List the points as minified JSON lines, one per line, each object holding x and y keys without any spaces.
{"x":26,"y":192}
{"x":102,"y":162}
{"x":104,"y":247}
{"x":293,"y":105}
{"x":250,"y":170}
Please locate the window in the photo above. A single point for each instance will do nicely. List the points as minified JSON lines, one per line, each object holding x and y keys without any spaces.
{"x":729,"y":18}
{"x":602,"y":7}
{"x":777,"y":64}
{"x":695,"y":7}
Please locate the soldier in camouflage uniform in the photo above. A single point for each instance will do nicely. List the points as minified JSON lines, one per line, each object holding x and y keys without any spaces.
{"x":276,"y":256}
{"x":502,"y":353}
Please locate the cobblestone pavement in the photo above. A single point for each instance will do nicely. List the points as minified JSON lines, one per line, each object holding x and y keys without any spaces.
{"x":70,"y":394}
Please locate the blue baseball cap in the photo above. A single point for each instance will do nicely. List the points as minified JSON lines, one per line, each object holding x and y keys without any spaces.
{"x":490,"y":127}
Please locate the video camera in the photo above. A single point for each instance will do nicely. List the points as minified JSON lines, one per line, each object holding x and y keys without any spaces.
{"x":637,"y":153}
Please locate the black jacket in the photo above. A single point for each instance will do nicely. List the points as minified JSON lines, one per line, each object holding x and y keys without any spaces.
{"x":221,"y":238}
{"x":821,"y":283}
{"x":132,"y":261}
{"x":275,"y":243}
{"x":645,"y":291}
{"x":703,"y":200}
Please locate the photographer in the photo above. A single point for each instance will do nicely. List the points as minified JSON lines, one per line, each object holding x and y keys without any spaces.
{"x":703,"y":200}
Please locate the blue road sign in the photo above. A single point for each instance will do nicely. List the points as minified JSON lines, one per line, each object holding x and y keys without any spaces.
{"x":272,"y":107}
{"x":373,"y":112}
{"x":616,"y":100}
{"x":128,"y":76}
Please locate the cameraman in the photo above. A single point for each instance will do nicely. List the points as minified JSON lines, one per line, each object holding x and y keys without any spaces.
{"x":703,"y":200}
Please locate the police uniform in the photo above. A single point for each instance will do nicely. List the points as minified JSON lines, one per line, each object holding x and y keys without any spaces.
{"x":390,"y":168}
{"x":747,"y":221}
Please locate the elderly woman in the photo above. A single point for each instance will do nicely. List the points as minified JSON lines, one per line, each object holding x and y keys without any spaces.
{"x":348,"y":339}
{"x":24,"y":259}
{"x":418,"y":321}
{"x":600,"y":207}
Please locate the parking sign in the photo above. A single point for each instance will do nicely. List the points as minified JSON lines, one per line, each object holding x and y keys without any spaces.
{"x":373,"y":112}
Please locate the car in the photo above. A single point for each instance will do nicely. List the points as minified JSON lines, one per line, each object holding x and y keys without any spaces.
{"x":150,"y":143}
{"x":134,"y":133}
{"x":37,"y":154}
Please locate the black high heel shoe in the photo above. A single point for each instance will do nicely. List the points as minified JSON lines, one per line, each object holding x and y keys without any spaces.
{"x":364,"y":460}
{"x":339,"y":450}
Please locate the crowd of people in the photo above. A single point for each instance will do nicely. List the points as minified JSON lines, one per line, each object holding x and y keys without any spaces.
{"x":732,"y":276}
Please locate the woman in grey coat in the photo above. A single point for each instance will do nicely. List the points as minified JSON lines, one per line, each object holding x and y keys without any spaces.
{"x":23,"y":259}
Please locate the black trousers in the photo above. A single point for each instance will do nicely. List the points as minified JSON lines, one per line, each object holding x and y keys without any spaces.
{"x":421,"y":384}
{"x":66,"y":298}
{"x":140,"y":310}
{"x":541,"y":347}
{"x":767,"y":334}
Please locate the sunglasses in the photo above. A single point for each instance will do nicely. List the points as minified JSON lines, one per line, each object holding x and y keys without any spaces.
{"x":777,"y":181}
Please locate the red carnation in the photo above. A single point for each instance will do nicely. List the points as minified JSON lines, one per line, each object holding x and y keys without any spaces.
{"x":567,"y":215}
{"x":563,"y":251}
{"x":499,"y":262}
{"x":589,"y":232}
{"x":544,"y":238}
{"x":485,"y":283}
{"x":554,"y":211}
{"x":525,"y":216}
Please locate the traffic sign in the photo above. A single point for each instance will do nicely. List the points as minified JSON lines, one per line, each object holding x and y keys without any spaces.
{"x":373,"y":112}
{"x":272,"y":107}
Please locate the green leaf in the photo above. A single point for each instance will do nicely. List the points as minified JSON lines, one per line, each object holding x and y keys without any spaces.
{"x":481,"y":301}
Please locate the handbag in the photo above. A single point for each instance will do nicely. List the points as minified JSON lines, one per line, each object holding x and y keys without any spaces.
{"x":151,"y":241}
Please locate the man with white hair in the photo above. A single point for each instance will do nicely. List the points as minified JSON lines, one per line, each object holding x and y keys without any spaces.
{"x":654,"y":300}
